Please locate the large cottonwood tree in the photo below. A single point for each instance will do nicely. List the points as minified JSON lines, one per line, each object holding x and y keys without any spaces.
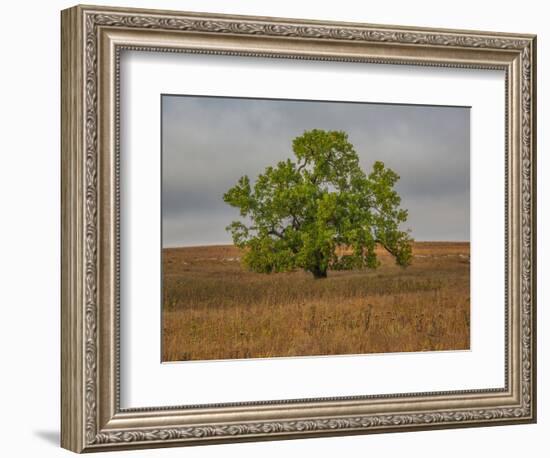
{"x":319,"y":211}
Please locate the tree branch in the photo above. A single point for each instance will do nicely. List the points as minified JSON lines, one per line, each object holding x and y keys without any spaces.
{"x":276,"y":233}
{"x":301,"y":166}
{"x":386,"y":247}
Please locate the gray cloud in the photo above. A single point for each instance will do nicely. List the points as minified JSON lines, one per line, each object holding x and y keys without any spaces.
{"x":209,"y":142}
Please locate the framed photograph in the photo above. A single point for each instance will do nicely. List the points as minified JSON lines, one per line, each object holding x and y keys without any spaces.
{"x":279,"y":228}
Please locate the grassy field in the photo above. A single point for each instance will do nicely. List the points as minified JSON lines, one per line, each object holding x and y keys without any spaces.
{"x":213,"y":309}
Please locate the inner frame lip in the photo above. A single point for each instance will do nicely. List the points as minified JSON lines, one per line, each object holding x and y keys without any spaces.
{"x":474,"y":394}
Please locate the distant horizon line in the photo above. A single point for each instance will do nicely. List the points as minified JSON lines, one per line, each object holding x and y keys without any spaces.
{"x":232,"y":244}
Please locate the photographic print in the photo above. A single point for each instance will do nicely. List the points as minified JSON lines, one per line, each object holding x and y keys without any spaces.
{"x":313,"y":228}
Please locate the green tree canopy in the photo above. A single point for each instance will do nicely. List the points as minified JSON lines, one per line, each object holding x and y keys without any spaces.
{"x":320,"y":211}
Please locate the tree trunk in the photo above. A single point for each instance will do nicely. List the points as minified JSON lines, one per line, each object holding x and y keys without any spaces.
{"x":319,"y":273}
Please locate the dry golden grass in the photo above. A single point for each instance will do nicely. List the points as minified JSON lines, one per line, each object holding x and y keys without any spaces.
{"x":213,"y":309}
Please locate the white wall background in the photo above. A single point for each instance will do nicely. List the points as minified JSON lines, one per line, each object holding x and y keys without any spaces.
{"x":29,"y":231}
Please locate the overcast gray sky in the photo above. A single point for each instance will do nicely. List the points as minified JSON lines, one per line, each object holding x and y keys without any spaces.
{"x":208,"y":143}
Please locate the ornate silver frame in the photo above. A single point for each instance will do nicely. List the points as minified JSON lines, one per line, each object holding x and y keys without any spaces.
{"x":92,"y":39}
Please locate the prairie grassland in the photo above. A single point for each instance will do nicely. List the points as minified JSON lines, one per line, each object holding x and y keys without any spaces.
{"x":214,"y":309}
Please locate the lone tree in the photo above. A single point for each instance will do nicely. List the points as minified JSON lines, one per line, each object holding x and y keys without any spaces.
{"x":320,"y":211}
